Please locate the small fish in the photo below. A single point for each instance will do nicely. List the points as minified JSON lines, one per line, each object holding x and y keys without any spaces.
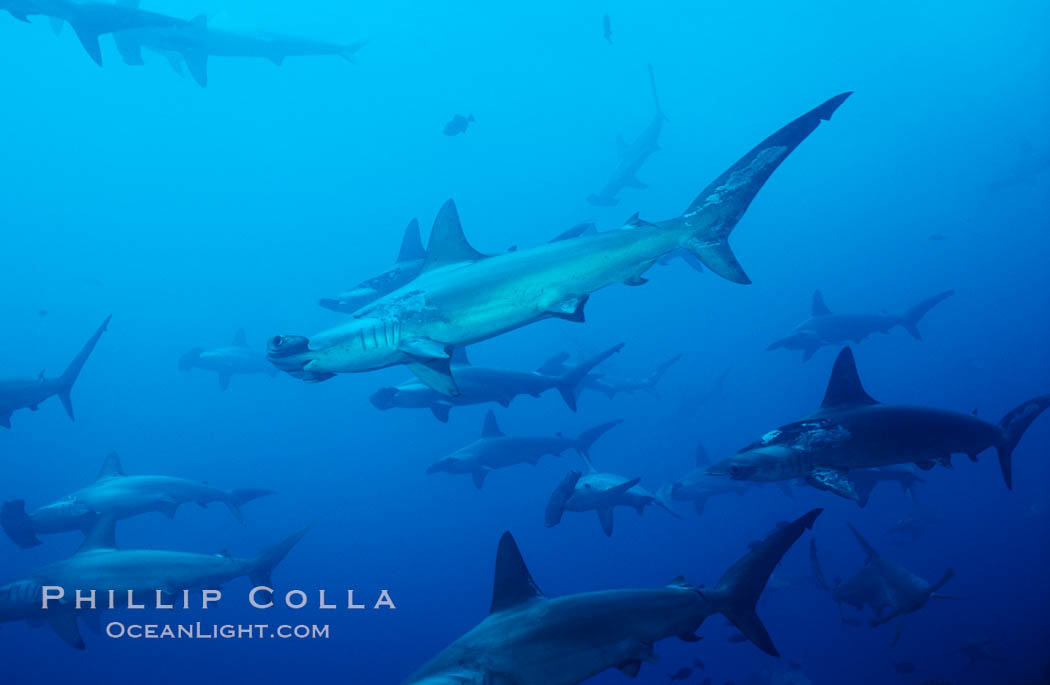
{"x":458,"y":124}
{"x":607,"y":28}
{"x":904,"y":667}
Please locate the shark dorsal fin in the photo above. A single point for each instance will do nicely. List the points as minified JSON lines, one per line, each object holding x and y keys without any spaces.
{"x":447,"y":243}
{"x":701,"y":456}
{"x":459,"y":356}
{"x":491,"y":429}
{"x":844,"y":388}
{"x":101,"y":535}
{"x":555,"y":365}
{"x":819,"y":308}
{"x":513,"y":584}
{"x":868,"y":549}
{"x":411,"y":244}
{"x":240,"y":339}
{"x":111,"y":467}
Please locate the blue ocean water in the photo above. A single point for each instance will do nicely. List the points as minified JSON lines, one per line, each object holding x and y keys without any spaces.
{"x":189,"y":213}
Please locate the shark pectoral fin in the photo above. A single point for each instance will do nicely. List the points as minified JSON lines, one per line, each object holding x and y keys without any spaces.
{"x":89,"y":40}
{"x":440,"y":412}
{"x":605,"y":518}
{"x":570,"y":309}
{"x":424,"y":348}
{"x":698,"y":505}
{"x":436,"y":374}
{"x":833,"y":481}
{"x":92,"y":620}
{"x":809,"y":351}
{"x":479,"y":476}
{"x":20,"y":16}
{"x":65,"y":624}
{"x":224,"y":379}
{"x":168,"y":507}
{"x":633,"y":182}
{"x":197,"y":64}
{"x":630,"y":668}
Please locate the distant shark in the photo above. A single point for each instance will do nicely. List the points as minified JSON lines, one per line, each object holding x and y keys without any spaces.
{"x":495,"y":450}
{"x":852,"y":431}
{"x":698,"y":486}
{"x":118,"y":495}
{"x":825,"y":328}
{"x":194,"y":42}
{"x":90,"y":19}
{"x":529,"y":639}
{"x":18,"y":394}
{"x":462,"y":297}
{"x":632,"y":156}
{"x":601,"y":493}
{"x":887,"y":587}
{"x":238,"y":358}
{"x":408,"y":265}
{"x":480,"y":384}
{"x":98,"y":565}
{"x":611,"y":386}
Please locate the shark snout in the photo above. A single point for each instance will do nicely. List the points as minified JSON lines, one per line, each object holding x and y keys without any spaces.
{"x":281,"y":346}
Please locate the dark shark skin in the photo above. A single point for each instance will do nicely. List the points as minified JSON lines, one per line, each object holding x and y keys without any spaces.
{"x":98,"y":565}
{"x":611,"y":386}
{"x":632,"y":156}
{"x":18,"y":394}
{"x":227,"y":362}
{"x":194,"y":42}
{"x":481,"y":385}
{"x":90,"y":19}
{"x":117,"y":495}
{"x":853,"y":431}
{"x":408,"y":265}
{"x":887,"y":587}
{"x":463,"y":296}
{"x":529,"y":639}
{"x":826,"y":328}
{"x":495,"y":450}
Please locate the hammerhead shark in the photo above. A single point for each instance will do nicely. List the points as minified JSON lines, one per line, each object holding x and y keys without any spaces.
{"x":98,"y":565}
{"x":118,"y":495}
{"x":611,"y":386}
{"x":408,"y":265}
{"x":826,"y":328}
{"x":462,"y":296}
{"x":480,"y":384}
{"x":887,"y":587}
{"x":238,"y":358}
{"x":852,"y":431}
{"x":496,"y":450}
{"x":530,"y":639}
{"x":601,"y":493}
{"x":18,"y":394}
{"x":698,"y":486}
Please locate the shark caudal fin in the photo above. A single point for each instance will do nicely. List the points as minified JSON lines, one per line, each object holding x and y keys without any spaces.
{"x":240,"y":496}
{"x":69,"y":376}
{"x":738,"y":590}
{"x":17,"y":525}
{"x":911,"y":318}
{"x":263,"y":565}
{"x":568,"y":381}
{"x":657,"y":375}
{"x":1013,"y":426}
{"x":591,"y":435}
{"x":708,"y":221}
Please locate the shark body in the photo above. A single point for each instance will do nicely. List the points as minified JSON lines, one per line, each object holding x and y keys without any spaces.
{"x":227,"y":362}
{"x":462,"y":297}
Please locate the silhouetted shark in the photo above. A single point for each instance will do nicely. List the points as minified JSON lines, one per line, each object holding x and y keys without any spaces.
{"x":528,"y":639}
{"x":18,"y":394}
{"x":238,"y":358}
{"x":825,"y":328}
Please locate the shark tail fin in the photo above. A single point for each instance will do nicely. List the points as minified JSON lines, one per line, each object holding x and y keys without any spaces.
{"x":568,"y":382}
{"x":591,"y":435}
{"x":69,"y":376}
{"x":1013,"y":425}
{"x":238,"y":497}
{"x":911,"y":318}
{"x":17,"y":525}
{"x":657,"y":375}
{"x":738,"y":590}
{"x":707,"y":222}
{"x":267,"y":560}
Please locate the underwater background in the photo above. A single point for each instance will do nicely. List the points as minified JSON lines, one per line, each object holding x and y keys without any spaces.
{"x":189,"y":213}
